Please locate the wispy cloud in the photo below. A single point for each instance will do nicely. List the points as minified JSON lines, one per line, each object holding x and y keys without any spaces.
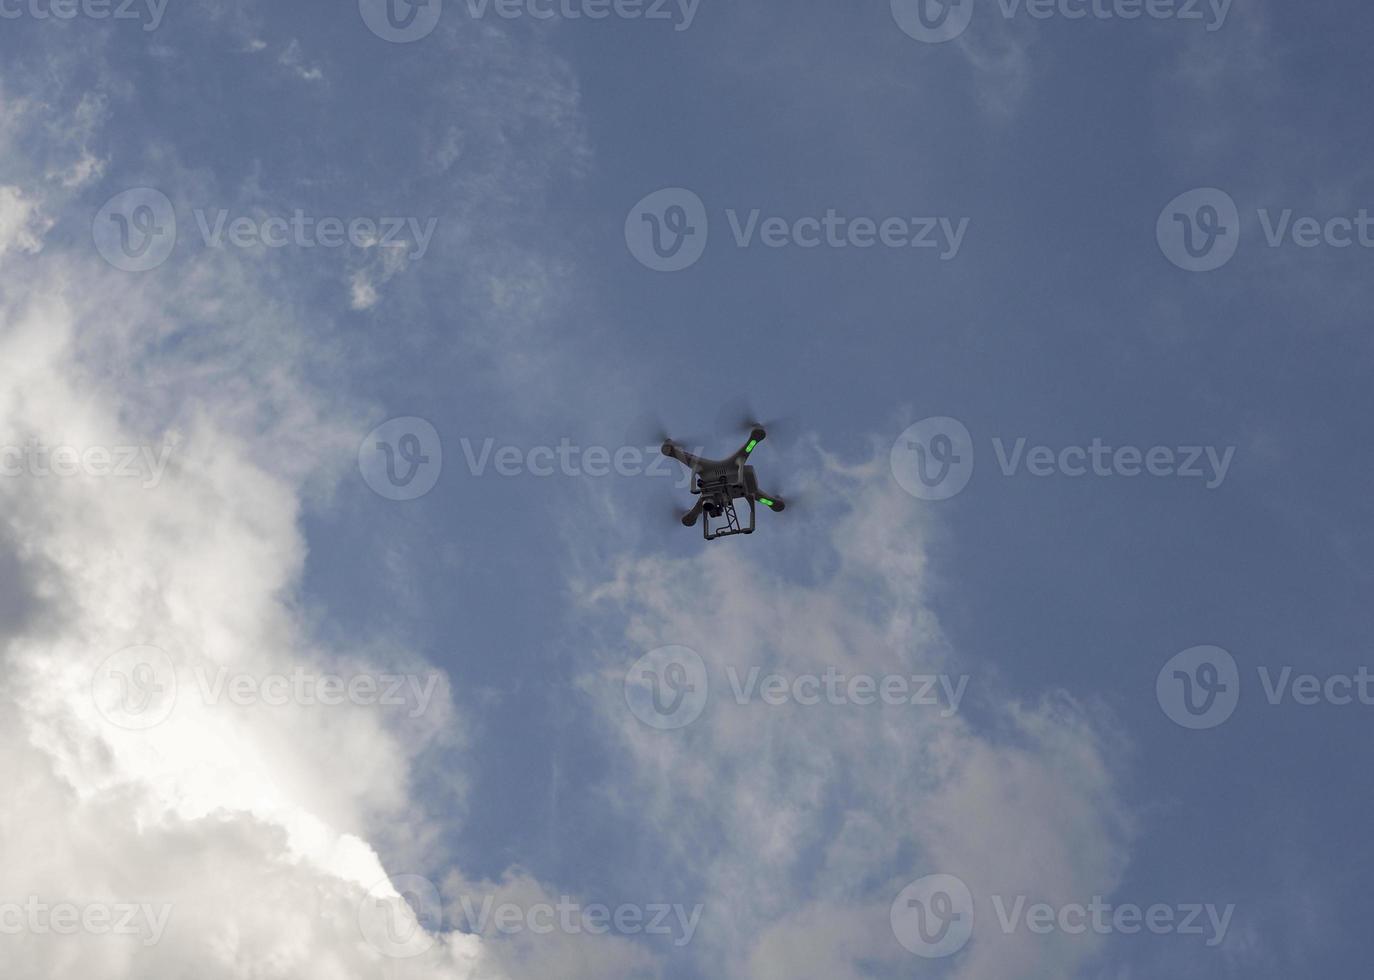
{"x":800,"y":825}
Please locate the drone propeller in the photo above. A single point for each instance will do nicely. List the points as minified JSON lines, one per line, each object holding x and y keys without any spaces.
{"x":663,"y":512}
{"x":650,"y":432}
{"x":739,"y":415}
{"x":690,"y":518}
{"x":795,"y":500}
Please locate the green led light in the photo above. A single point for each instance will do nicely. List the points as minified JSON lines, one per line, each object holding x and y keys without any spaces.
{"x":766,"y":502}
{"x":752,"y":443}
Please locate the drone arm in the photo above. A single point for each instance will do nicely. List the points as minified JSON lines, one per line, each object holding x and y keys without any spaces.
{"x":775,"y":504}
{"x":675,"y":451}
{"x":755,"y":437}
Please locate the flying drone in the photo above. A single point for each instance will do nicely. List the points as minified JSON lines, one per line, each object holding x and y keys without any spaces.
{"x":718,"y":483}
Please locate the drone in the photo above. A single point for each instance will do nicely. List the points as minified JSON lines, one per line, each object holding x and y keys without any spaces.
{"x":718,"y":483}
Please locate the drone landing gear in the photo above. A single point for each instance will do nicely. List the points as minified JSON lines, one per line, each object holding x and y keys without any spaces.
{"x":727,"y":521}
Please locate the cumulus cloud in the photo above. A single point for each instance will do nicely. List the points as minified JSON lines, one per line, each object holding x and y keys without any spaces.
{"x":247,"y":822}
{"x":244,"y":838}
{"x":161,"y":436}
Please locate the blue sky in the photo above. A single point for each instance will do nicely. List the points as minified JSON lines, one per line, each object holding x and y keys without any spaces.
{"x":1058,"y":163}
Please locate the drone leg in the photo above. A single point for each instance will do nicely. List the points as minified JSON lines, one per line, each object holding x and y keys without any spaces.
{"x":690,"y":518}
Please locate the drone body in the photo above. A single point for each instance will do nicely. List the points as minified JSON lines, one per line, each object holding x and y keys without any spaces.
{"x":718,"y":483}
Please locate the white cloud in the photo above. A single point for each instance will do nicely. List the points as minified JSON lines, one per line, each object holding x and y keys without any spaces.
{"x":22,"y":225}
{"x":250,"y":822}
{"x":249,"y":825}
{"x":293,"y":59}
{"x":260,"y":828}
